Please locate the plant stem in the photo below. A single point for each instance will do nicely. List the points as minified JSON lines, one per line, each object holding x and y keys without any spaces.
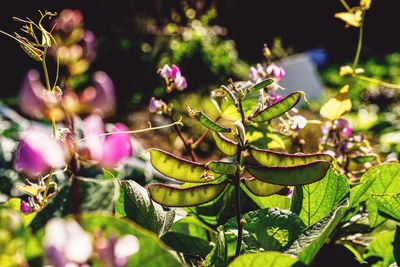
{"x":346,"y":6}
{"x":46,"y":73}
{"x":359,"y":45}
{"x":378,"y":82}
{"x":180,"y":134}
{"x":238,"y":213}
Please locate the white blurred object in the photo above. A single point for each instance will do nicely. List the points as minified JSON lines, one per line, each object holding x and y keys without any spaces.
{"x":301,"y":75}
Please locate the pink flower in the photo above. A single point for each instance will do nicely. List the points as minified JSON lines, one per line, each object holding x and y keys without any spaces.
{"x":299,"y":122}
{"x":99,"y":98}
{"x":107,"y":151}
{"x":37,"y":152}
{"x":31,"y":100}
{"x":173,"y":75}
{"x":275,"y":71}
{"x":68,"y":20}
{"x":25,"y":208}
{"x":156,"y":105}
{"x":254,"y":75}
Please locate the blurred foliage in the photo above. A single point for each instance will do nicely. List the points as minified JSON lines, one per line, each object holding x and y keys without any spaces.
{"x":376,"y":108}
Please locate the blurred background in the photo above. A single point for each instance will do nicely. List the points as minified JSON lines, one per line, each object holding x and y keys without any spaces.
{"x":134,"y":38}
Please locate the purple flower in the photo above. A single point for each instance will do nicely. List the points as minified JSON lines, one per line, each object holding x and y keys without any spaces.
{"x":275,"y":71}
{"x":25,"y":208}
{"x":107,"y":151}
{"x":89,"y":45}
{"x":346,"y":132}
{"x":125,"y":247}
{"x":37,"y":152}
{"x":180,"y":82}
{"x":156,"y":105}
{"x":274,"y":98}
{"x":254,"y":75}
{"x":99,"y":98}
{"x":68,"y":20}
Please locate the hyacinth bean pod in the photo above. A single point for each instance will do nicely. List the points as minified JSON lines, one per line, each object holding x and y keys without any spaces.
{"x":226,"y":145}
{"x":201,"y":117}
{"x":177,"y":168}
{"x":231,"y":95}
{"x":272,"y":158}
{"x":262,"y":84}
{"x":291,"y":175}
{"x":278,"y":108}
{"x":260,"y":188}
{"x":221,"y":167}
{"x":173,"y":196}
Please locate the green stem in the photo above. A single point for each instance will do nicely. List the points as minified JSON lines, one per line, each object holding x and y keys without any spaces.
{"x":346,"y":6}
{"x":57,"y":71}
{"x":378,"y":82}
{"x":359,"y":45}
{"x":46,"y":73}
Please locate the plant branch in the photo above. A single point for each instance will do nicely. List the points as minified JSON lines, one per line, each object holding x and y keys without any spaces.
{"x":359,"y":44}
{"x":346,"y":6}
{"x":377,"y":82}
{"x":180,"y":134}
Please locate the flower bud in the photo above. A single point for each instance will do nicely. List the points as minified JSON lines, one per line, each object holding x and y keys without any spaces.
{"x":156,"y":105}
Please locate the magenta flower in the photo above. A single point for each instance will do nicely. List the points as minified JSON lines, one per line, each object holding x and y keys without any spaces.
{"x":25,"y":208}
{"x":68,"y":20}
{"x":31,"y":101}
{"x":174,"y":77}
{"x":37,"y":153}
{"x":156,"y":105}
{"x":254,"y":75}
{"x":108,"y":151}
{"x":275,"y":71}
{"x":99,"y":98}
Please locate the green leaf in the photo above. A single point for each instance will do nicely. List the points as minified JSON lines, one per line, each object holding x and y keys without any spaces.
{"x":272,"y":158}
{"x":135,"y":204}
{"x":381,"y":248}
{"x":277,"y":201}
{"x":222,"y":167}
{"x":15,"y":203}
{"x":314,"y":201}
{"x":171,"y":196}
{"x":201,"y":117}
{"x":187,"y":244}
{"x":387,"y":181}
{"x":91,"y":195}
{"x":260,"y":188}
{"x":311,"y":240}
{"x":262,"y":84}
{"x":227,"y":146}
{"x":152,"y":252}
{"x":364,"y":159}
{"x":177,"y":168}
{"x":359,"y":192}
{"x":110,"y":174}
{"x":264,"y":259}
{"x":278,"y":108}
{"x":218,"y":257}
{"x":273,"y":228}
{"x":192,"y":226}
{"x":297,"y":175}
{"x":389,"y":205}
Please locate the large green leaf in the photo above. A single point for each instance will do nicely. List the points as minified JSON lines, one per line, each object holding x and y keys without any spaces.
{"x":272,"y":158}
{"x":218,"y":257}
{"x":310,"y":241}
{"x":89,"y":195}
{"x":278,"y":108}
{"x":381,"y":248}
{"x":134,"y":203}
{"x":389,"y":205}
{"x":387,"y":181}
{"x":190,"y":245}
{"x":260,"y":188}
{"x":314,"y":201}
{"x":227,"y":146}
{"x":291,"y":175}
{"x":273,"y":228}
{"x":264,"y":259}
{"x":172,"y":196}
{"x":152,"y":252}
{"x":177,"y":168}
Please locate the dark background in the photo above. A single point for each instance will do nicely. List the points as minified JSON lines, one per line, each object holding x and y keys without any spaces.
{"x":302,"y":25}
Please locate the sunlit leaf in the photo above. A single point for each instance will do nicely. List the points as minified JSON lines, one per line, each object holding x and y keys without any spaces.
{"x":314,"y":201}
{"x":272,"y":158}
{"x":336,"y":107}
{"x":178,"y":168}
{"x":222,"y":167}
{"x":278,"y":108}
{"x":297,"y":175}
{"x":227,"y":146}
{"x":218,"y":257}
{"x":265,"y":259}
{"x":389,"y":205}
{"x":172,"y":196}
{"x":277,"y":201}
{"x":260,"y":188}
{"x":311,"y":240}
{"x":380,"y":250}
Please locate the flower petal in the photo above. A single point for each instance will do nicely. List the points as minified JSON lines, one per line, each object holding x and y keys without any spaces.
{"x":117,"y":147}
{"x":31,"y":100}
